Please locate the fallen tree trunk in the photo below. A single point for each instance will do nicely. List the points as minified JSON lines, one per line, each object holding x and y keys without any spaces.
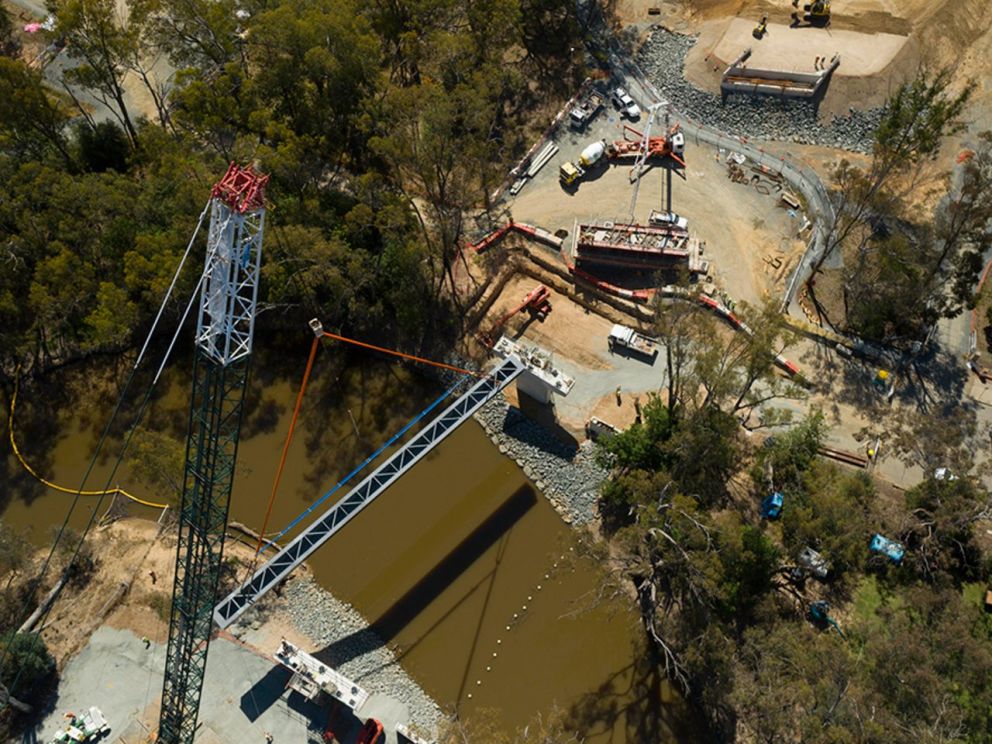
{"x":246,"y":530}
{"x":45,"y":604}
{"x":6,"y":697}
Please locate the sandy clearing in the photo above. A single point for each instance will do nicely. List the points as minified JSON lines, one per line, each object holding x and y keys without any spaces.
{"x":795,"y":50}
{"x":745,"y":232}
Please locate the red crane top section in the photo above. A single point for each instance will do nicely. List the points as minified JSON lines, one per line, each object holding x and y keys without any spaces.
{"x":242,"y":189}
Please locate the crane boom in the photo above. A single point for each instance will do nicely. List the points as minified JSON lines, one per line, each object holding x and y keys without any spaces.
{"x":228,"y":296}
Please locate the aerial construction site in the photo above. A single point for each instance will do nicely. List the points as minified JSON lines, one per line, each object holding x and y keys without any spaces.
{"x":620,"y":383}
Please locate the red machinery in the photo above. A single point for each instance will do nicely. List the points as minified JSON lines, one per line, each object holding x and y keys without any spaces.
{"x":660,"y":146}
{"x":537,"y":303}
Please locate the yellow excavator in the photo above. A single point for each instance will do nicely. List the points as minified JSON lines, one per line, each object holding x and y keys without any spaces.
{"x":816,"y":13}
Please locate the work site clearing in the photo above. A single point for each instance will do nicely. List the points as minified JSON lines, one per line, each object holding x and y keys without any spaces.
{"x":565,"y":270}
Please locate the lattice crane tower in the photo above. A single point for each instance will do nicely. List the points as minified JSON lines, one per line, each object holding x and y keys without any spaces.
{"x":228,"y":295}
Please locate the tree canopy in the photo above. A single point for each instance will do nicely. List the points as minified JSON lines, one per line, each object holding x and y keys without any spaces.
{"x":381,"y":124}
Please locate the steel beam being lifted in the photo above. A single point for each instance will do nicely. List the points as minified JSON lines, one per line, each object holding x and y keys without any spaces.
{"x":280,"y":565}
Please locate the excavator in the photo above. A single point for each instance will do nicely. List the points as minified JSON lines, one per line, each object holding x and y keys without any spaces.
{"x":816,"y":13}
{"x":537,"y":303}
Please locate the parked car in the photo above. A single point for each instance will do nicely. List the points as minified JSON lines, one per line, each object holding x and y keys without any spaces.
{"x":891,"y":549}
{"x":668,"y":219}
{"x":628,"y":107}
{"x":771,"y":506}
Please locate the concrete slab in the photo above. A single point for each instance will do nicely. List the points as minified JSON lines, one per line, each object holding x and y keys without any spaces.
{"x":387,"y":711}
{"x":796,"y":49}
{"x":243,"y":695}
{"x":114,"y":672}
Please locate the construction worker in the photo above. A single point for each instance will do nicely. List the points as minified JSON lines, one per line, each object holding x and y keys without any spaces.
{"x":619,"y":401}
{"x":268,"y":738}
{"x":153,"y":577}
{"x":147,"y":641}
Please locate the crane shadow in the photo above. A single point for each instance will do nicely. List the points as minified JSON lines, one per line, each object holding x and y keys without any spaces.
{"x":388,"y":625}
{"x":264,"y":693}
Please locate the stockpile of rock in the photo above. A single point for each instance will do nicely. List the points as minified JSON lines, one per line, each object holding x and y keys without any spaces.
{"x":662,"y":58}
{"x":363,"y":656}
{"x":353,"y":649}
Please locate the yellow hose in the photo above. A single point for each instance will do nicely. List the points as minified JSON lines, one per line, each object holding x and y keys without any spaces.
{"x":53,"y":486}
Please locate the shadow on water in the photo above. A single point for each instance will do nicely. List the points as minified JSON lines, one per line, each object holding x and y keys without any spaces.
{"x":425,"y":591}
{"x":391,"y":622}
{"x":638,"y":703}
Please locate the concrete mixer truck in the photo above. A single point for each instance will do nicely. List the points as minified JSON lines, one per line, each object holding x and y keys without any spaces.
{"x":570,"y":172}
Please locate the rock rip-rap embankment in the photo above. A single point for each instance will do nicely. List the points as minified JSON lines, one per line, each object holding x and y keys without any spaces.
{"x":662,"y":58}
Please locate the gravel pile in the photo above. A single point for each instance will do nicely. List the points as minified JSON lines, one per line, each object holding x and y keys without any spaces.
{"x":354,"y":650}
{"x":568,"y":476}
{"x":662,"y":58}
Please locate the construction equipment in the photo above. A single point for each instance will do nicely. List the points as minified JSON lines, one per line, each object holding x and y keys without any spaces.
{"x":668,"y":219}
{"x":80,"y":729}
{"x":623,"y":337}
{"x":670,"y":145}
{"x":570,"y":172}
{"x":586,"y":109}
{"x":537,"y":302}
{"x":224,"y":332}
{"x":819,"y":615}
{"x":760,"y":29}
{"x":816,"y":13}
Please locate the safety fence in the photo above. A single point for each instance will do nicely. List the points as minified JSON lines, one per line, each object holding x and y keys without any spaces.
{"x":799,"y":176}
{"x":636,"y":295}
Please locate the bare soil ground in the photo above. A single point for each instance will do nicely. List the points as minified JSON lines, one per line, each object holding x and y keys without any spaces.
{"x":31,"y":44}
{"x":750,"y":238}
{"x":127,"y":553}
{"x":567,"y":330}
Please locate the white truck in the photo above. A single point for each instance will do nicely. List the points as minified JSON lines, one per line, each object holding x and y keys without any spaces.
{"x":627,"y":106}
{"x":623,"y":337}
{"x":667,"y":219}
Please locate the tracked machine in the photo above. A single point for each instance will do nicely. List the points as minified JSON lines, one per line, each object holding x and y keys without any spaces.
{"x":816,"y":13}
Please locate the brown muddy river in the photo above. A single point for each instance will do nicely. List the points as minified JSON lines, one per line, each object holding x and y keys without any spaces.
{"x":441,"y":564}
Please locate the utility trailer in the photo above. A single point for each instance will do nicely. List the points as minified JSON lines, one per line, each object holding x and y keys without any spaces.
{"x":622,"y":337}
{"x":585,"y":110}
